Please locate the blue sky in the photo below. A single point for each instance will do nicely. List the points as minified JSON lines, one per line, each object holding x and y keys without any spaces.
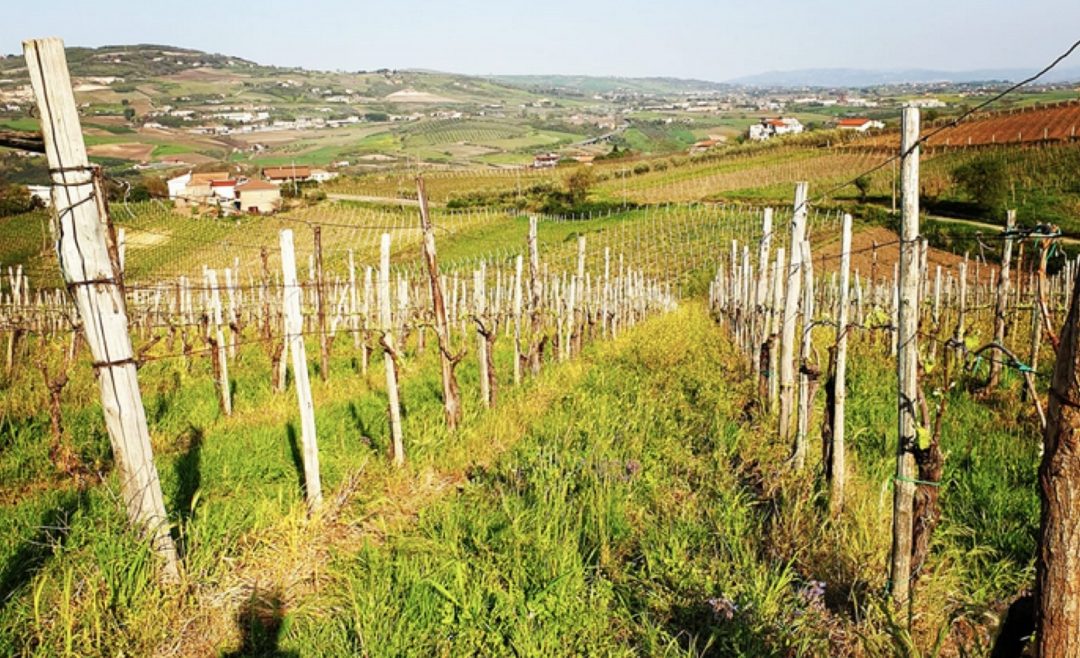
{"x":713,"y":40}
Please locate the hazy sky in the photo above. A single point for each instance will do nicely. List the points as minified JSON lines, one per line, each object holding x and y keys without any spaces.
{"x":713,"y":40}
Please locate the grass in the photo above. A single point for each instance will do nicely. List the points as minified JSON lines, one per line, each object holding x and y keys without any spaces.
{"x":622,"y":504}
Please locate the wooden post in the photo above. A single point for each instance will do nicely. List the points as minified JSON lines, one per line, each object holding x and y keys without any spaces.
{"x":93,"y":278}
{"x":775,"y":316}
{"x":907,"y":358}
{"x":447,"y":359}
{"x":320,"y":308}
{"x":294,"y":338}
{"x":480,"y":313}
{"x":218,"y":344}
{"x":1002,"y":301}
{"x":518,"y":271}
{"x":1057,"y":566}
{"x":536,"y":293}
{"x":808,"y":375}
{"x":386,"y":321}
{"x":791,"y":309}
{"x":836,"y":467}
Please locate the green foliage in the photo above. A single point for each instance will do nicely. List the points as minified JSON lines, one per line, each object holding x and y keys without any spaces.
{"x":16,"y":199}
{"x":985,"y":181}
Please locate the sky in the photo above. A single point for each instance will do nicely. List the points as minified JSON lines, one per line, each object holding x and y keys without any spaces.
{"x":706,"y":39}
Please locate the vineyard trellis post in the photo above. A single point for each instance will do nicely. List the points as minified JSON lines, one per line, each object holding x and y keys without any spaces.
{"x":1002,"y":300}
{"x":390,"y":354}
{"x":836,"y":466}
{"x":294,"y":338}
{"x":907,"y":313}
{"x":791,"y":308}
{"x":92,"y":275}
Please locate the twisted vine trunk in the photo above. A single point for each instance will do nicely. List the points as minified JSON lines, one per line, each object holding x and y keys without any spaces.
{"x":1057,"y":580}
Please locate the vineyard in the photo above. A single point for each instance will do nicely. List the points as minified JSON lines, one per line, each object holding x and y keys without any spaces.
{"x":1030,"y":125}
{"x":738,"y":408}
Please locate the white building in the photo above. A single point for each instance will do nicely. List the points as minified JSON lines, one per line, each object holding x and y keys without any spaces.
{"x":769,"y":128}
{"x":178,"y":185}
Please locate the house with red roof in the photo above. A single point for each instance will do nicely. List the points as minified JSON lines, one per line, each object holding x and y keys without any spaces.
{"x":859,"y":124}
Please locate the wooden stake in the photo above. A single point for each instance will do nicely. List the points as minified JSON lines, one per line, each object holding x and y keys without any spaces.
{"x":836,"y":452}
{"x":791,"y":308}
{"x":94,"y":279}
{"x":294,"y":338}
{"x":386,"y":321}
{"x":907,"y":358}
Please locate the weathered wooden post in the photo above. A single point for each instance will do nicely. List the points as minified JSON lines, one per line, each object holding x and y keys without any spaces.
{"x":836,"y":466}
{"x":294,"y":338}
{"x":386,"y":320}
{"x":518,"y":270}
{"x":907,"y":357}
{"x":91,"y":271}
{"x":808,"y":375}
{"x":1002,"y":300}
{"x":1057,"y":566}
{"x":536,"y":296}
{"x":221,"y":365}
{"x":320,"y":308}
{"x":791,"y":309}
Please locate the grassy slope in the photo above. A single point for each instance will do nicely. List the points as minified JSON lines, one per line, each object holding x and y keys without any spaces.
{"x":637,"y":509}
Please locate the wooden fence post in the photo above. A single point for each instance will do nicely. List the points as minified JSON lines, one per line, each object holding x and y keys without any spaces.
{"x":294,"y":338}
{"x":93,"y":278}
{"x":386,"y":320}
{"x":907,"y":358}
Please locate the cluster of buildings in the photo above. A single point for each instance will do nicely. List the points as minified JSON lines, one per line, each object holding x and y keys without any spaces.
{"x":257,"y":196}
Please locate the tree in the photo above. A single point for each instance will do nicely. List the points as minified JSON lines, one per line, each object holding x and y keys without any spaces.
{"x":862,"y":183}
{"x":15,"y":199}
{"x":129,"y":113}
{"x":986,"y":182}
{"x":578,"y":185}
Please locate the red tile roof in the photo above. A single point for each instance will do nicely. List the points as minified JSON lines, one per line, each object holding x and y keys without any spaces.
{"x":253,"y":185}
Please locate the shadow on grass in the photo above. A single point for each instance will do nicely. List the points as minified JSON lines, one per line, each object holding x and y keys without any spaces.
{"x":297,"y":456}
{"x":188,"y":472}
{"x":51,"y":532}
{"x":261,"y":624}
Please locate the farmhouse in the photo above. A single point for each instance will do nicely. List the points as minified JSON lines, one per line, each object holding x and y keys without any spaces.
{"x":859,"y":124}
{"x":769,"y":128}
{"x":287,"y":174}
{"x":546,"y":161}
{"x":258,"y":197}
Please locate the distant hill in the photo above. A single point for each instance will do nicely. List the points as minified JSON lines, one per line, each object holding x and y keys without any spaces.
{"x":846,"y":77}
{"x":585,"y":84}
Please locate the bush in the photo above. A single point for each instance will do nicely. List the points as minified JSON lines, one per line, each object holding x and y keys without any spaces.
{"x":985,"y":181}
